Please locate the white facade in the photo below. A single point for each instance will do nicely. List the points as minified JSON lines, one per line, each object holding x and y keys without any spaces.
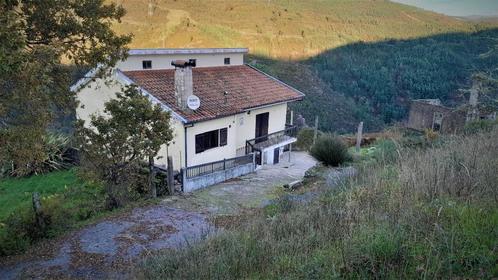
{"x":161,"y":59}
{"x":240,"y":127}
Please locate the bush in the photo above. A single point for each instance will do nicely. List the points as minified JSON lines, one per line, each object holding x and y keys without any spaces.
{"x":479,"y":126}
{"x":32,"y":155}
{"x":305,"y":138}
{"x":330,"y":150}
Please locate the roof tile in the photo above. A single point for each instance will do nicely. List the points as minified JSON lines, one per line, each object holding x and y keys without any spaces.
{"x":247,"y":88}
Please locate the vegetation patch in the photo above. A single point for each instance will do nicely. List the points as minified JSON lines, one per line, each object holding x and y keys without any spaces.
{"x":378,"y":224}
{"x":330,"y":150}
{"x":66,"y":202}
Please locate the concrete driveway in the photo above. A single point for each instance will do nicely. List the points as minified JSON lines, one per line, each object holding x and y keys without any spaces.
{"x":249,"y":191}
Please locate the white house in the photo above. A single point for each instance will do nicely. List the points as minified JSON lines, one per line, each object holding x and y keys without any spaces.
{"x":221,"y":109}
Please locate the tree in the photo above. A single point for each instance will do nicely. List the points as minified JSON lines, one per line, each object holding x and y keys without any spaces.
{"x":35,"y":38}
{"x":114,"y":146}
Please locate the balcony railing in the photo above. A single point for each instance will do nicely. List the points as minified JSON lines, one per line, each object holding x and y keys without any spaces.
{"x":259,"y":143}
{"x":211,"y":167}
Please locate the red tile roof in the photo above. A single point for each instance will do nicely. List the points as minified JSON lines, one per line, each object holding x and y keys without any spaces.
{"x":247,"y":88}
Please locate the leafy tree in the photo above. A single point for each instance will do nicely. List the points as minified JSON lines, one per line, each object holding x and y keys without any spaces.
{"x":36,"y":36}
{"x":115,"y":145}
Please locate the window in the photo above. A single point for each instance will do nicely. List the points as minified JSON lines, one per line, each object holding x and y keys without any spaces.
{"x":223,"y":136}
{"x":211,"y":139}
{"x":147,"y":64}
{"x":437,"y":121}
{"x":227,"y":61}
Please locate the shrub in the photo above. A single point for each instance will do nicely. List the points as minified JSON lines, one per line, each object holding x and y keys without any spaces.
{"x":305,"y":138}
{"x":330,"y":150}
{"x":32,"y":155}
{"x":479,"y":126}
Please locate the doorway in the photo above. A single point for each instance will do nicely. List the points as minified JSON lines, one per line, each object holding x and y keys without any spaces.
{"x":276,"y":155}
{"x":261,"y":127}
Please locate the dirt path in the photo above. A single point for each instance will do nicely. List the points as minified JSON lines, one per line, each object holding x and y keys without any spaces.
{"x":108,"y":249}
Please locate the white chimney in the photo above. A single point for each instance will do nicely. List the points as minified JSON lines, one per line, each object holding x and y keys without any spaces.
{"x":183,"y":81}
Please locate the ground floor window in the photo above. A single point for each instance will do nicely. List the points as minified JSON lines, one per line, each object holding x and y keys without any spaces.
{"x":211,"y":139}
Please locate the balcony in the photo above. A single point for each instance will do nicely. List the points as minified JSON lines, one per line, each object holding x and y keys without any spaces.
{"x":258,"y":144}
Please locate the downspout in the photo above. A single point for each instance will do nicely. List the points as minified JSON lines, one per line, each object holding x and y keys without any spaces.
{"x":186,"y":164}
{"x":184,"y":170}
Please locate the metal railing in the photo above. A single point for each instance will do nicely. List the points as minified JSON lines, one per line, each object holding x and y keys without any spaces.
{"x":211,"y":167}
{"x":258,"y":143}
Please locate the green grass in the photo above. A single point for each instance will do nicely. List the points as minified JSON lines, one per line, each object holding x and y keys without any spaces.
{"x":15,"y":193}
{"x":380,"y":224}
{"x":67,"y":201}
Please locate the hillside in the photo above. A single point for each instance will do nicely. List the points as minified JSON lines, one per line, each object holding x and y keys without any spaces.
{"x":277,"y":28}
{"x":350,"y":57}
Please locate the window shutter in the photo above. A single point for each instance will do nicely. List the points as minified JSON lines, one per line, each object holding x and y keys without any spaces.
{"x":223,"y":136}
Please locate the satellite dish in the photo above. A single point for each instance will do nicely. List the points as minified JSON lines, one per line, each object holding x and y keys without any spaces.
{"x":193,"y":102}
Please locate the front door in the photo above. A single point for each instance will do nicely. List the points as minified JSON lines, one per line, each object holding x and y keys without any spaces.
{"x":261,"y":126}
{"x":276,"y":155}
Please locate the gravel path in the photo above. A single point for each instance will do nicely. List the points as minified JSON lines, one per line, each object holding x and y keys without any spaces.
{"x":107,"y":249}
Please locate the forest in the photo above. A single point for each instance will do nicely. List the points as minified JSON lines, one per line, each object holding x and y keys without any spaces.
{"x":376,"y":81}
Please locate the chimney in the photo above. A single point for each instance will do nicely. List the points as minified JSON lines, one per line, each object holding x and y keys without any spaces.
{"x":183,"y":81}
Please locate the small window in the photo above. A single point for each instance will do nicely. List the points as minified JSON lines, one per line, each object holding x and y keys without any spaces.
{"x":437,"y":121}
{"x":227,"y":61}
{"x":147,"y":64}
{"x":223,"y":136}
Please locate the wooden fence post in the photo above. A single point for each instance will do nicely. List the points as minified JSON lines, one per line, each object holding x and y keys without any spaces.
{"x":359,"y":136}
{"x":152,"y":177}
{"x":171,"y":180}
{"x":37,"y":208}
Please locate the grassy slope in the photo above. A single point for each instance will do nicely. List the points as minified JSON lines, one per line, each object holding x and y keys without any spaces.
{"x":418,"y":216}
{"x":279,"y":28}
{"x":15,"y":193}
{"x":67,"y":201}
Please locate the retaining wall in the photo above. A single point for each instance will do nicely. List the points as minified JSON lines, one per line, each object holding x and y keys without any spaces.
{"x":199,"y":182}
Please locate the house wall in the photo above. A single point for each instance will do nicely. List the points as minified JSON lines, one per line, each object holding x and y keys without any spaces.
{"x":241,"y":127}
{"x":421,"y":115}
{"x":93,"y":96}
{"x":453,"y":122}
{"x":134,"y":62}
{"x":246,"y":123}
